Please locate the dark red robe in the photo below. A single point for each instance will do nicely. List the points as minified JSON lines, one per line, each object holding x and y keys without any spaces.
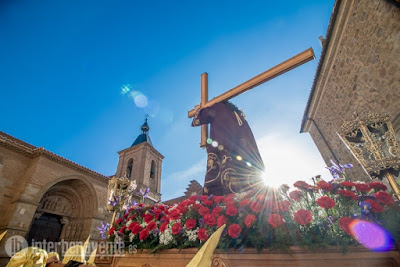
{"x":234,"y":164}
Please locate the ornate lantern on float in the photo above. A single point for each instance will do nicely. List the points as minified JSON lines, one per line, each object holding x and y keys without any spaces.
{"x":373,"y":142}
{"x":117,"y":193}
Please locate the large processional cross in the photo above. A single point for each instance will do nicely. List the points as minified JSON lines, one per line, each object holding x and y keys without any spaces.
{"x":283,"y":67}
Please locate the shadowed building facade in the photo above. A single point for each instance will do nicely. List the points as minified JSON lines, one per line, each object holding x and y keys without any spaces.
{"x":358,"y":71}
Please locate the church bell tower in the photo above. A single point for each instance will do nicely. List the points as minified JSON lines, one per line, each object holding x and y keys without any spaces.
{"x":142,"y":162}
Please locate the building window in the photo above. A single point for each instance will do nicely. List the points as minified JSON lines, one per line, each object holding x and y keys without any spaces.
{"x":152,"y":169}
{"x":129,"y":168}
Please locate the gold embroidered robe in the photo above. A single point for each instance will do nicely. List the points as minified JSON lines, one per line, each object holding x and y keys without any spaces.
{"x":234,"y":163}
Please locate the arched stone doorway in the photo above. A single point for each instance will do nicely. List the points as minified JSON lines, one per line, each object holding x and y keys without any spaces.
{"x":67,"y":208}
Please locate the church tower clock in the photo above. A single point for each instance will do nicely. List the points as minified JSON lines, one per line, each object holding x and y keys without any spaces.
{"x":142,"y":162}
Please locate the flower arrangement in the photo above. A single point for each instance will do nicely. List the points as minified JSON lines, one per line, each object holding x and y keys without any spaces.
{"x":312,"y":216}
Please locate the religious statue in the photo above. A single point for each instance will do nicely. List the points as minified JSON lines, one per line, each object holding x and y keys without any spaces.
{"x":234,"y":164}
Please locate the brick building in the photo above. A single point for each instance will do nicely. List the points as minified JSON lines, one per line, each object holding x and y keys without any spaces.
{"x":358,"y":71}
{"x":44,"y":196}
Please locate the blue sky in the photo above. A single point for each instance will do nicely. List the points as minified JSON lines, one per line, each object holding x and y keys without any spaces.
{"x":63,"y":65}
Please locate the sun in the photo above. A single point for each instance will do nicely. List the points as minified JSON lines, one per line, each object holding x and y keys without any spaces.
{"x":271,"y":181}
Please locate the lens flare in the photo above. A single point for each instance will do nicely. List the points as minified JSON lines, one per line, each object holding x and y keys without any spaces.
{"x":220,"y":147}
{"x":271,"y":181}
{"x":209,"y":141}
{"x":214,"y":143}
{"x":371,"y":235}
{"x":248,"y":164}
{"x":141,"y":101}
{"x":239,"y":158}
{"x":125,"y":89}
{"x":153,"y":108}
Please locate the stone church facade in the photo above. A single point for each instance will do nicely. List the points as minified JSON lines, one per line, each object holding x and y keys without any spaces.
{"x":358,"y":71}
{"x":44,"y":196}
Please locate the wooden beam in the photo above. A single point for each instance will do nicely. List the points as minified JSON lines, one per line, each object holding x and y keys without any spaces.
{"x":204,"y":100}
{"x":285,"y":66}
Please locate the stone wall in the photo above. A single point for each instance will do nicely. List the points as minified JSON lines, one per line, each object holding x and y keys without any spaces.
{"x":360,"y":72}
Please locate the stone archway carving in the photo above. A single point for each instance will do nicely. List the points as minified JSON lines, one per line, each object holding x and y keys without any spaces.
{"x":75,"y":202}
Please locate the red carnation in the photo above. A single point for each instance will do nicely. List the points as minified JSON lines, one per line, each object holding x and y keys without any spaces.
{"x":183,"y":206}
{"x":324,"y":186}
{"x":377,"y":186}
{"x":234,"y":230}
{"x":249,"y":220}
{"x":284,"y":205}
{"x":347,"y":193}
{"x":231,"y":211}
{"x":326,"y":202}
{"x":203,"y":211}
{"x":216,"y":211}
{"x":301,"y":185}
{"x":345,"y":224}
{"x":122,"y":230}
{"x":143,"y":234}
{"x":296,"y":195}
{"x":147,"y":218}
{"x":221,"y":220}
{"x":303,"y":217}
{"x":175,"y":214}
{"x":209,"y":219}
{"x":202,"y":234}
{"x":176,"y":228}
{"x":151,"y":226}
{"x":275,"y":220}
{"x":111,"y":231}
{"x":218,"y":199}
{"x":229,"y":197}
{"x":208,"y":202}
{"x":118,"y":221}
{"x":244,"y":202}
{"x":347,"y":184}
{"x":190,"y":223}
{"x":194,"y":198}
{"x":157,"y":213}
{"x":135,"y":228}
{"x":255,"y":206}
{"x":375,"y":206}
{"x":362,"y":187}
{"x":384,"y":198}
{"x":163,"y":226}
{"x":203,"y":197}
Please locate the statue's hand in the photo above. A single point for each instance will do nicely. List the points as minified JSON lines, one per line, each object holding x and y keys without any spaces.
{"x":197,"y":109}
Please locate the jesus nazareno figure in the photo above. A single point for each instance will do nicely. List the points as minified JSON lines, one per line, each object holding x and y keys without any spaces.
{"x":234,"y":164}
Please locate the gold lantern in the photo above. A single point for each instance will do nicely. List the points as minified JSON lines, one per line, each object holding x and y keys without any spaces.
{"x":117,"y":194}
{"x":373,"y":142}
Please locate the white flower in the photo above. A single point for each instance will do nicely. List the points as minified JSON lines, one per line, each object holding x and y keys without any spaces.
{"x":192,"y":234}
{"x":166,"y":237}
{"x":128,"y":223}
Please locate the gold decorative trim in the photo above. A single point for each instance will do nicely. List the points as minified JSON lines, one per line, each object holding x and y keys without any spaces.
{"x":373,"y":142}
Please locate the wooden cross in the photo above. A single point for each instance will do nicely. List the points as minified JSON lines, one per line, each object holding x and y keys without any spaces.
{"x":283,"y":67}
